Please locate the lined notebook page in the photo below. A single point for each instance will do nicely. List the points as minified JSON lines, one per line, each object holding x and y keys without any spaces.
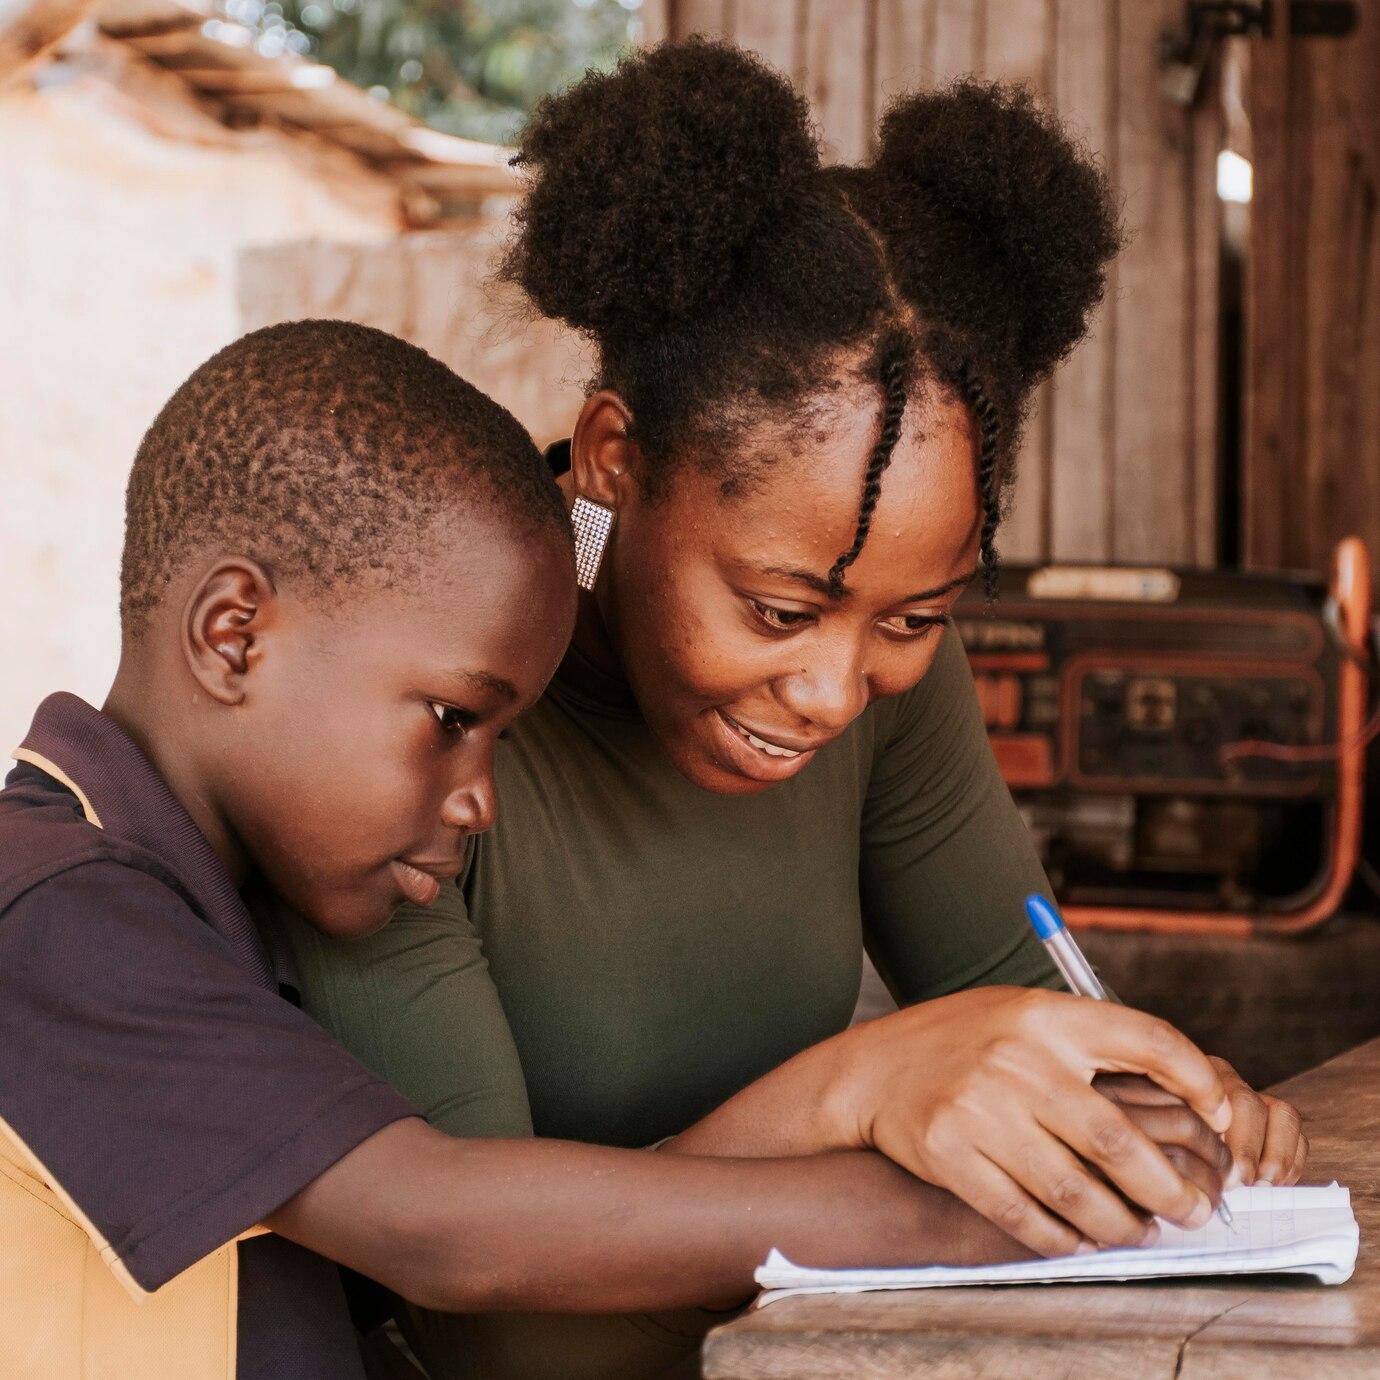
{"x":1276,"y":1231}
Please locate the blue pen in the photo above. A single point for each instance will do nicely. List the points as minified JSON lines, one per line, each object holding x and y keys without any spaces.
{"x":1076,"y":969}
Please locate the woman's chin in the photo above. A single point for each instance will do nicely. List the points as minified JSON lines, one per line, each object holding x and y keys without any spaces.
{"x":707,"y":767}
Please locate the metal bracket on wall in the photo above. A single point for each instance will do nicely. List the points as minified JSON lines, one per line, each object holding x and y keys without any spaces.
{"x":1185,"y":52}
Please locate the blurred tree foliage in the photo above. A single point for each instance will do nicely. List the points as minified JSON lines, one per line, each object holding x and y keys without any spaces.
{"x":469,"y":67}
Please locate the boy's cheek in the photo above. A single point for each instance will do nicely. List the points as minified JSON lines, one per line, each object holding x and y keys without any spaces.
{"x":332,"y":804}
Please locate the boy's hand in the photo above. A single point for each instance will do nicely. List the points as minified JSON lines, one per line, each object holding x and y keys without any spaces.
{"x":1188,"y":1142}
{"x":1265,"y":1139}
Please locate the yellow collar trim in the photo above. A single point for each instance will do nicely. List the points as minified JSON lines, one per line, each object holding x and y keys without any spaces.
{"x":23,"y":754}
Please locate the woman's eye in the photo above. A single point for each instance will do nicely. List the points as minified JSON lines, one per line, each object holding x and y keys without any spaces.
{"x":913,"y":625}
{"x":774,"y":617}
{"x":451,"y":719}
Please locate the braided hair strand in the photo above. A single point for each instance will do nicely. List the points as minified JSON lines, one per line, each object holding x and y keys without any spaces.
{"x":895,"y":356}
{"x":989,"y":489}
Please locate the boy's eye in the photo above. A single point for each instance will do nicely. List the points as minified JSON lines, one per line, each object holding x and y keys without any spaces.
{"x":914,"y":625}
{"x":451,"y":719}
{"x":780,"y":619}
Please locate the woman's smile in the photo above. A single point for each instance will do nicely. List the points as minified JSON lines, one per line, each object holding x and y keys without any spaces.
{"x":754,"y":756}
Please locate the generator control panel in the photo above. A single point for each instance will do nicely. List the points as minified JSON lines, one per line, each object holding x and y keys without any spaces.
{"x":1123,"y":705}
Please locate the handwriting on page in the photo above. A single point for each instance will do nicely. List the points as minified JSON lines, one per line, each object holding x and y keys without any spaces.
{"x":1275,"y":1231}
{"x":1264,"y":1218}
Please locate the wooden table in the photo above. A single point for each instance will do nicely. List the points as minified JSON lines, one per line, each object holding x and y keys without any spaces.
{"x":1267,"y":1329}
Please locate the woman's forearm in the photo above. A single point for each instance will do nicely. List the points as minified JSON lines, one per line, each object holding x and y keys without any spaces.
{"x":793,"y":1110}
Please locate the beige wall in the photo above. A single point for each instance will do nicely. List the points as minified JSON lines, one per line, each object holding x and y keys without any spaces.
{"x":436,"y":290}
{"x":123,"y":209}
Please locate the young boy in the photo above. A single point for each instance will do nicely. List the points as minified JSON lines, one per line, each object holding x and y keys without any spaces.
{"x":345,"y":572}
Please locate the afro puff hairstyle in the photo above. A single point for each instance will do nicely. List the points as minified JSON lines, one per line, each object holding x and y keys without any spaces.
{"x":678,"y":214}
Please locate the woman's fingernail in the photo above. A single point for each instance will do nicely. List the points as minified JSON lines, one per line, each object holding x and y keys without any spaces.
{"x":1234,"y":1177}
{"x":1201,"y":1213}
{"x":1152,"y":1235}
{"x":1250,"y":1172}
{"x":1221,"y":1118}
{"x":1085,"y":1248}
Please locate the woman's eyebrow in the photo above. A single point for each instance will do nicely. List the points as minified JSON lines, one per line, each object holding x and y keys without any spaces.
{"x":940,"y":590}
{"x":821,"y":585}
{"x":805,"y":577}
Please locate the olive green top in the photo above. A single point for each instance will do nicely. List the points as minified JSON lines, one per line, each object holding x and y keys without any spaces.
{"x":624,"y":950}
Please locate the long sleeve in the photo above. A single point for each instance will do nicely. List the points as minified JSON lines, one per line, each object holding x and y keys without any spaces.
{"x":416,"y":1004}
{"x":946,"y":861}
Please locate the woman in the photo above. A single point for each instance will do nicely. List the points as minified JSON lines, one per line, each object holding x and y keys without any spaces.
{"x":763,"y":753}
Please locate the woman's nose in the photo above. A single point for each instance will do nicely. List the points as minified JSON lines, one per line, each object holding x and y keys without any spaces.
{"x":829,"y":691}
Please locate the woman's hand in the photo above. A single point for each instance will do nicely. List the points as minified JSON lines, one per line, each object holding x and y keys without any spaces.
{"x":988,"y":1093}
{"x":1265,"y":1139}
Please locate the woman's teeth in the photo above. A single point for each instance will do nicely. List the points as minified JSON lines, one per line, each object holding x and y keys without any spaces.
{"x":771,"y":749}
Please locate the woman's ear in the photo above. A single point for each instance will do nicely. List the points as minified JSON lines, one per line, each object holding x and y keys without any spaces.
{"x":222,"y":624}
{"x":604,"y":458}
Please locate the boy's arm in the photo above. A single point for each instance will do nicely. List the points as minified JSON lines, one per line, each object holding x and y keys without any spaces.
{"x":416,"y":1003}
{"x":483,"y":1225}
{"x":216,"y":1105}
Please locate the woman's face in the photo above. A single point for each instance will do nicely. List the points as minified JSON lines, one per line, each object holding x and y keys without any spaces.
{"x":718,"y":607}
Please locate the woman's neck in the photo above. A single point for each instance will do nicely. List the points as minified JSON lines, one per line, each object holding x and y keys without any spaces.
{"x":591,"y":637}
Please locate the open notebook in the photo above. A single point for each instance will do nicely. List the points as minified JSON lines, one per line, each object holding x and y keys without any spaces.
{"x":1276,"y":1231}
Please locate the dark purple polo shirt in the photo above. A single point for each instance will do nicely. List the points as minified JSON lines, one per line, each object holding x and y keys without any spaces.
{"x":146,"y":1056}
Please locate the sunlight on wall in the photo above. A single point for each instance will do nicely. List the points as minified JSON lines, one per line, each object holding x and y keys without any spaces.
{"x":123,"y":209}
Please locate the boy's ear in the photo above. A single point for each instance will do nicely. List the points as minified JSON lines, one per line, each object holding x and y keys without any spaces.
{"x":224,"y":619}
{"x":605,"y":461}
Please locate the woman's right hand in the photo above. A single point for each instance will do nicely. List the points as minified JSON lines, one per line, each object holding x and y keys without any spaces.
{"x":988,"y":1093}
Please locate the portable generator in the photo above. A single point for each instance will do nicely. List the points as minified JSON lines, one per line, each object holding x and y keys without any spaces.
{"x":1187,"y":747}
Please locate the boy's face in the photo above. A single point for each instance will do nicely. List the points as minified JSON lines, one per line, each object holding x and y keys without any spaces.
{"x":361,"y":756}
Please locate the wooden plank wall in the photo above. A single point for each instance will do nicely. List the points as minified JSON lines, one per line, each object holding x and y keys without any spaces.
{"x":1121,"y":454}
{"x":1312,"y":462}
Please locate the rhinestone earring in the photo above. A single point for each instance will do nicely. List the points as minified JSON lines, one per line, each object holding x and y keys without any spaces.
{"x":592,"y":523}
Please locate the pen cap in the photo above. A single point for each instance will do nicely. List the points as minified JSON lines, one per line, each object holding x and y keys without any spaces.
{"x":1046,"y":920}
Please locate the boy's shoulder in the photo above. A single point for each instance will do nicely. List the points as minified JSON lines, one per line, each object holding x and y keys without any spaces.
{"x":45,"y":834}
{"x":145,"y":1065}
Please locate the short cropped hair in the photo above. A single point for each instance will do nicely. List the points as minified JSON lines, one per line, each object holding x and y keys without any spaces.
{"x":320,"y":449}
